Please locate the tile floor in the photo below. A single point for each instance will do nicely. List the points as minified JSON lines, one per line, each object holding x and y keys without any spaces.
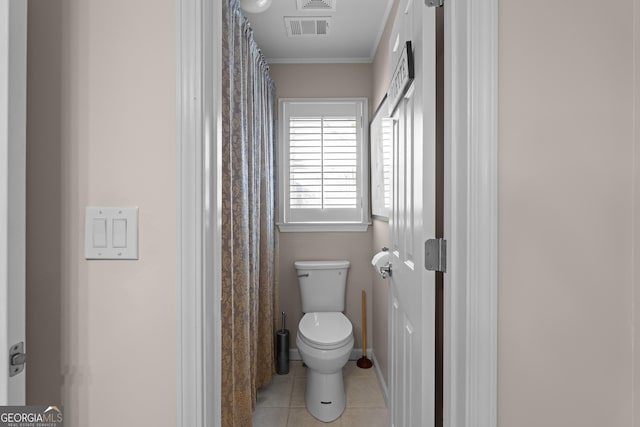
{"x":281,"y":402}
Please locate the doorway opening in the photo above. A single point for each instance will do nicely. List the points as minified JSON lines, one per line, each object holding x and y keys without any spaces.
{"x":470,"y":370}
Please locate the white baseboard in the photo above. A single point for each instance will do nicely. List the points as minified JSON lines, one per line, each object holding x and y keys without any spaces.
{"x":356,"y":354}
{"x":381,"y":381}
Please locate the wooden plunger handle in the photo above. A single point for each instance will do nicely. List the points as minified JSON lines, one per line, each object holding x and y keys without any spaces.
{"x":364,"y":325}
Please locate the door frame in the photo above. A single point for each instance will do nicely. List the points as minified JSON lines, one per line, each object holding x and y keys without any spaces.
{"x":13,"y":112}
{"x":198,"y":103}
{"x":471,"y":212}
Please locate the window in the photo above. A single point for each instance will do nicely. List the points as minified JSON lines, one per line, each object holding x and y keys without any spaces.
{"x":381,"y":136}
{"x":323,"y":166}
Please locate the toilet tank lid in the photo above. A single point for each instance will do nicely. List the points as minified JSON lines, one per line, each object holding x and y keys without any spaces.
{"x":321,"y":265}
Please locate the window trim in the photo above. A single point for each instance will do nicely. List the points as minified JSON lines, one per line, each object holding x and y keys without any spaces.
{"x":379,"y":210}
{"x":286,"y":225}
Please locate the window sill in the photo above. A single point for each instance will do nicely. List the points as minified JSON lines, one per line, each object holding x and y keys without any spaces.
{"x":323,"y":228}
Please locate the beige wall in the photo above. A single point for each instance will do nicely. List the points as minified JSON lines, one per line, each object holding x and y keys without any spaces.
{"x":102,"y":131}
{"x":325,"y":80}
{"x":566,"y":214}
{"x":636,"y":209}
{"x":44,"y":375}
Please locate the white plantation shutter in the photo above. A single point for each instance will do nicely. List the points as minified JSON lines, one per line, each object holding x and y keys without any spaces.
{"x":387,"y":152}
{"x":323,"y":163}
{"x":322,"y":150}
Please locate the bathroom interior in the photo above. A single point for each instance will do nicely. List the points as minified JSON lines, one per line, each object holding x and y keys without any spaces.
{"x":102,"y":82}
{"x":317,"y":67}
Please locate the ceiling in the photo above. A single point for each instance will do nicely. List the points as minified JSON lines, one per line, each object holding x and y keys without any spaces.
{"x":353,"y":32}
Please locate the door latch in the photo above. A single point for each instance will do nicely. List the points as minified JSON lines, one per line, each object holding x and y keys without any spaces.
{"x":17,"y":359}
{"x":435,"y":255}
{"x":434,"y":3}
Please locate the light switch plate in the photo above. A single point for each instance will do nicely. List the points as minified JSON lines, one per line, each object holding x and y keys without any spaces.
{"x":101,"y":234}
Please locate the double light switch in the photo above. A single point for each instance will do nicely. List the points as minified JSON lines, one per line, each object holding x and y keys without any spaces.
{"x":111,"y":233}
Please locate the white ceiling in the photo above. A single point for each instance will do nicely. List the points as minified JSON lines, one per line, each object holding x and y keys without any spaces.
{"x":354,"y":33}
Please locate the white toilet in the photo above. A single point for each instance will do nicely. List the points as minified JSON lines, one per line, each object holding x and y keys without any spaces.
{"x":325,"y":335}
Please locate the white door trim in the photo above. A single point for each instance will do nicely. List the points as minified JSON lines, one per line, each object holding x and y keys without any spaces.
{"x":13,"y":118}
{"x":198,"y":242}
{"x":470,"y":212}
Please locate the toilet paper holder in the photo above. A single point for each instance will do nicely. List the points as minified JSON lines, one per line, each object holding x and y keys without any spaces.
{"x":380,"y":262}
{"x":385,"y":270}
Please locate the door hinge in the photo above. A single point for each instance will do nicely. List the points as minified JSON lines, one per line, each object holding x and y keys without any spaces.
{"x":17,"y":359}
{"x":435,"y":255}
{"x":434,"y":3}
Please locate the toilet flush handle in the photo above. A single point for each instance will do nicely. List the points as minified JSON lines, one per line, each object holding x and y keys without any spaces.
{"x":303,"y":275}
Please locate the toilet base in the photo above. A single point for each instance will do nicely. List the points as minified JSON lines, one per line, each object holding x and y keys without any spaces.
{"x":324,"y":395}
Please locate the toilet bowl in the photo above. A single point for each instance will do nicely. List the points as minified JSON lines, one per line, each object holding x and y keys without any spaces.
{"x":325,"y":341}
{"x":325,"y":335}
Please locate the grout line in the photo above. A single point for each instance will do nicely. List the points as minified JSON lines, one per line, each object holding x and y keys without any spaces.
{"x":293,"y":377}
{"x":286,"y":423}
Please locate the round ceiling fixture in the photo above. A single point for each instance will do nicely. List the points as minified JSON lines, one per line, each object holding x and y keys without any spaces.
{"x":255,"y":6}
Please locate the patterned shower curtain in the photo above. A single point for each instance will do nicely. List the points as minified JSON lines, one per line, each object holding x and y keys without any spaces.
{"x":248,"y":207}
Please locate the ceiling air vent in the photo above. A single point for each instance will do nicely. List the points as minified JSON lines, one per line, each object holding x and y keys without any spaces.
{"x":307,"y":26}
{"x":313,"y":5}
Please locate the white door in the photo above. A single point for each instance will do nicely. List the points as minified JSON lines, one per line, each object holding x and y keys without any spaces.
{"x":13,"y":72}
{"x":412,"y":222}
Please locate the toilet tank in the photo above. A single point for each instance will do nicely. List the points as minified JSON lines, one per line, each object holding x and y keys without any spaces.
{"x":323,"y":285}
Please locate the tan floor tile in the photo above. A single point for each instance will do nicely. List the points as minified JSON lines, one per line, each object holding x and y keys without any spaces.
{"x":365,"y":417}
{"x":270,"y":417}
{"x":281,"y":403}
{"x":297,"y":368}
{"x":351,"y":370}
{"x":276,"y":394}
{"x":363,"y":392}
{"x":297,"y":396}
{"x":300,"y":417}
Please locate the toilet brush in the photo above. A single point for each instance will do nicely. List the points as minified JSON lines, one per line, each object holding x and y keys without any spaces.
{"x":364,"y":362}
{"x":282,"y":349}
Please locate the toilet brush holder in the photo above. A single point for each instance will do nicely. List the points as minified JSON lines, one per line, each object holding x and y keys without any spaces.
{"x":282,"y":349}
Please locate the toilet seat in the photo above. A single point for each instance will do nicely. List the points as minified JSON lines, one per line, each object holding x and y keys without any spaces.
{"x":326,"y":330}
